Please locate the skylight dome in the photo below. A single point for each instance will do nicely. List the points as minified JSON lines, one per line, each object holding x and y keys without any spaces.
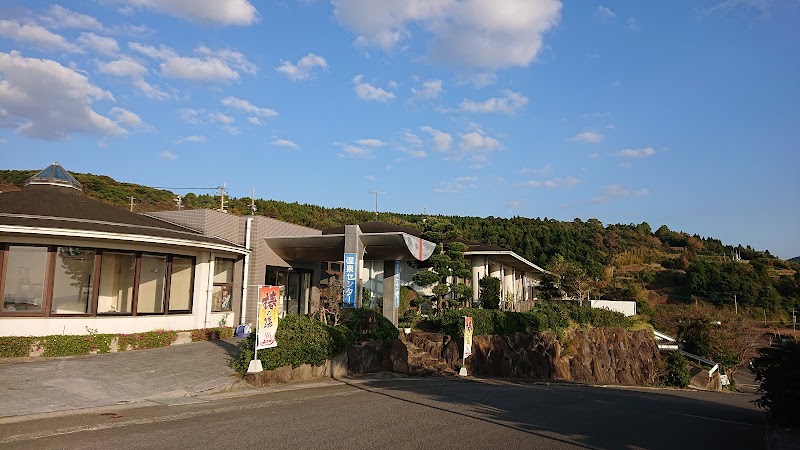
{"x":54,"y":175}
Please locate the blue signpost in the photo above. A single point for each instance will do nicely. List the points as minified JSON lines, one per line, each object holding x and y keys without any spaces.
{"x":350,"y":285}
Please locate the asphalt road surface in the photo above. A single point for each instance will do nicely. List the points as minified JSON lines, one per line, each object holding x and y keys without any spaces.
{"x":413,"y":413}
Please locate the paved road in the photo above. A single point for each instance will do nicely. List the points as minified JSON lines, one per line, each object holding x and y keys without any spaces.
{"x":414,"y":413}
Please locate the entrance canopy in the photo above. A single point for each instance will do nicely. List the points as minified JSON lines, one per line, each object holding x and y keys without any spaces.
{"x":387,"y":246}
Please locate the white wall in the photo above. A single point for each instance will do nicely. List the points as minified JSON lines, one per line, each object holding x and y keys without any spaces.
{"x":627,"y":308}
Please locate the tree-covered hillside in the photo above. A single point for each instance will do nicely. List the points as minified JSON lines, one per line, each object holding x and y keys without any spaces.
{"x":616,"y":261}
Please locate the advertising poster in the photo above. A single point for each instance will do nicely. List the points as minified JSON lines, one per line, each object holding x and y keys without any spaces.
{"x":397,"y":284}
{"x":467,"y":336}
{"x":349,"y":294}
{"x":267,"y":316}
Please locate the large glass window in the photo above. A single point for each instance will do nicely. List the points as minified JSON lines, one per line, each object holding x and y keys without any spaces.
{"x":73,"y":280}
{"x":24,"y":282}
{"x":152,"y":284}
{"x":117,"y":272}
{"x":223,"y":285}
{"x":180,"y":285}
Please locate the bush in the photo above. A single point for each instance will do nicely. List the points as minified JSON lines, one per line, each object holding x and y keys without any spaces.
{"x":301,"y":340}
{"x":15,"y":346}
{"x":777,"y":370}
{"x":341,"y":338}
{"x":676,"y":372}
{"x":489,"y":292}
{"x":70,"y":345}
{"x":368,"y":325}
{"x":209,"y":334}
{"x":146,"y":340}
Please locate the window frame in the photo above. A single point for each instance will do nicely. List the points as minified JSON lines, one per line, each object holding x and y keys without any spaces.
{"x":49,"y":282}
{"x":228,"y":285}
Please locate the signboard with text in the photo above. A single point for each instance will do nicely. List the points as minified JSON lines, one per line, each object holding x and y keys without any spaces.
{"x":397,"y":284}
{"x":350,"y":275}
{"x":267,"y":324}
{"x":467,"y":336}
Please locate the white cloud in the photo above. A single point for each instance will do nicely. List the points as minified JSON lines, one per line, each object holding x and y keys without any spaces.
{"x":615,"y":191}
{"x":457,"y":184}
{"x":588,"y":136}
{"x":354,"y":151}
{"x":509,"y":103}
{"x":480,"y":80}
{"x":36,"y":35}
{"x":218,"y":12}
{"x":211,"y":65}
{"x":633,"y":24}
{"x":220,"y":118}
{"x":124,"y":117}
{"x":168,"y":155}
{"x":195,"y":139}
{"x":59,"y":17}
{"x":133,"y":69}
{"x":248,"y":107}
{"x":552,"y":183}
{"x":101,"y":44}
{"x":123,"y":67}
{"x":476,"y":146}
{"x":304,"y":69}
{"x":441,"y":140}
{"x":747,"y":6}
{"x":411,"y":138}
{"x":635,"y":153}
{"x":3,"y":140}
{"x":230,"y":129}
{"x":615,"y":84}
{"x":254,"y":120}
{"x":370,"y":142}
{"x":604,"y":13}
{"x":368,"y":92}
{"x":43,"y":99}
{"x":285,"y":143}
{"x":515,"y":205}
{"x":480,"y":33}
{"x":191,"y":116}
{"x":547,"y":169}
{"x":428,"y":89}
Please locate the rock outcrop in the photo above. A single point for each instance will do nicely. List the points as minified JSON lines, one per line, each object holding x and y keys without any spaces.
{"x":597,"y":356}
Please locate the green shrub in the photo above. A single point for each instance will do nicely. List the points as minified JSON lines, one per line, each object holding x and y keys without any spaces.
{"x":777,"y":370}
{"x":489,"y":292}
{"x":69,"y":345}
{"x":341,"y":338}
{"x":15,"y":346}
{"x":208,"y":334}
{"x":676,"y":372}
{"x":148,"y":339}
{"x":368,"y":325}
{"x":301,"y":340}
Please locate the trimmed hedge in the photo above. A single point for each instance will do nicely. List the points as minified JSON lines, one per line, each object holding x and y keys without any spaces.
{"x":368,"y":325}
{"x":301,"y":340}
{"x":543,"y":317}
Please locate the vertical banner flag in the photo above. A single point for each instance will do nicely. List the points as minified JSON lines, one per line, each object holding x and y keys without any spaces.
{"x":349,"y":294}
{"x":397,"y":284}
{"x":267,"y":324}
{"x":467,"y":336}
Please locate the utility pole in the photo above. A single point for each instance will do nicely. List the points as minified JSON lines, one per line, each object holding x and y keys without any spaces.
{"x":735,"y":304}
{"x":253,"y":208}
{"x":222,"y":192}
{"x":377,"y":193}
{"x":132,"y":199}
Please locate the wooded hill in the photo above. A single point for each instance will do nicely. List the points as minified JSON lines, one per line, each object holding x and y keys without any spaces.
{"x":619,"y":261}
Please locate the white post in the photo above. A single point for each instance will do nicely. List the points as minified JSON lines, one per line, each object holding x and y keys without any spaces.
{"x":245,"y":269}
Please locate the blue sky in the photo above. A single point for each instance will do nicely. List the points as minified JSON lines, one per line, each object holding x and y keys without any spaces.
{"x":684,"y":113}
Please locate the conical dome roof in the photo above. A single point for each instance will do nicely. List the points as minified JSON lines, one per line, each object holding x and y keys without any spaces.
{"x":54,"y":175}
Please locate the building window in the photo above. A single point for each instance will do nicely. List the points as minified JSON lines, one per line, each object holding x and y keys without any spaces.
{"x":117,"y":271}
{"x":23,"y":289}
{"x":73,"y":280}
{"x":223,"y":285}
{"x":152,"y":284}
{"x":181,"y":284}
